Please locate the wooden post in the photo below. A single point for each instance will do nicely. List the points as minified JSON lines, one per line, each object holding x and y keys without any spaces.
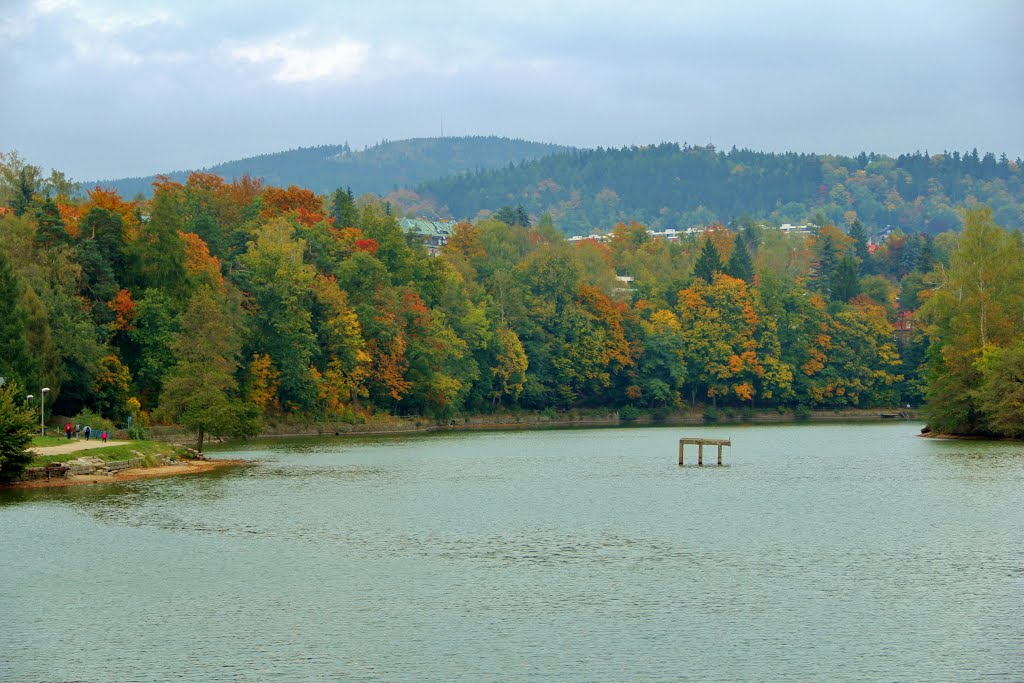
{"x":700,"y":444}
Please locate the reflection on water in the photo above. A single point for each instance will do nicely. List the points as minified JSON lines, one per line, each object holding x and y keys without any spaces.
{"x":839,"y":552}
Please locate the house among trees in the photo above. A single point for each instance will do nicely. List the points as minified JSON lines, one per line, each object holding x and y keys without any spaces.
{"x":790,"y":229}
{"x":433,"y":234}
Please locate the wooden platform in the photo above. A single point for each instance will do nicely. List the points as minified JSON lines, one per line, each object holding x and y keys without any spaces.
{"x":700,"y":444}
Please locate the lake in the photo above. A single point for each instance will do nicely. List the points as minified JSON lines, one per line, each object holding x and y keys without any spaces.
{"x":853,"y":552}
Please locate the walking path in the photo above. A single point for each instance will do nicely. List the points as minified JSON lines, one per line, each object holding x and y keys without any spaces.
{"x":75,"y":445}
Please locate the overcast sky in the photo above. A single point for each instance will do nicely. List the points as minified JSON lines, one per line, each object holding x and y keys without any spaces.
{"x":105,"y":89}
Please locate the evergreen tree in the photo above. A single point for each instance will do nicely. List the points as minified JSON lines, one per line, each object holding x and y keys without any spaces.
{"x":17,"y":426}
{"x":845,"y":283}
{"x":343,"y":208}
{"x":506,"y":215}
{"x":24,"y":189}
{"x":17,"y":363}
{"x":522,"y":218}
{"x":825,"y":269}
{"x":160,"y":250}
{"x":709,"y":262}
{"x":926,"y":254}
{"x":909,"y":257}
{"x":201,"y":392}
{"x":50,"y":230}
{"x":860,"y":244}
{"x":739,"y":264}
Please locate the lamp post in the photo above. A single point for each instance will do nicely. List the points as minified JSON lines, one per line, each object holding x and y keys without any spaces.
{"x":27,"y":399}
{"x":42,"y":418}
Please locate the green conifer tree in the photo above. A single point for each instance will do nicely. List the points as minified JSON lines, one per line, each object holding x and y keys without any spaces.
{"x":343,"y":208}
{"x":17,"y":363}
{"x":17,"y":425}
{"x":709,"y":262}
{"x":739,"y":265}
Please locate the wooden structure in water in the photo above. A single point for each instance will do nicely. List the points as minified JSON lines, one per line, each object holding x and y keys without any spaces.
{"x":700,"y":444}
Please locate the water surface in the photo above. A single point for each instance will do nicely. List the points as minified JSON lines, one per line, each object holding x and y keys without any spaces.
{"x":820,"y":552}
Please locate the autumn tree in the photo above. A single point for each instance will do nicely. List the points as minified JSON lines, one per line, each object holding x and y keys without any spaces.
{"x":112,"y":392}
{"x":341,"y":358}
{"x":1000,"y":397}
{"x":719,"y":321}
{"x":977,"y":303}
{"x":662,"y":367}
{"x":510,"y":366}
{"x":863,"y":366}
{"x":278,"y":283}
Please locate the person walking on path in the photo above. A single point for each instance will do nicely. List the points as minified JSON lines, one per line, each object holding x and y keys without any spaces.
{"x":103,"y":435}
{"x":67,"y":430}
{"x":88,"y":431}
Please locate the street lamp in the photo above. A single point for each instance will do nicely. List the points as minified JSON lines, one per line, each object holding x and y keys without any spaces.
{"x":42,"y":419}
{"x":27,"y":399}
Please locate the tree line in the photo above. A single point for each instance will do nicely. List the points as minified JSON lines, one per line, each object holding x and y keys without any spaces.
{"x":381,"y":168}
{"x":223,"y":305}
{"x":679,"y":186}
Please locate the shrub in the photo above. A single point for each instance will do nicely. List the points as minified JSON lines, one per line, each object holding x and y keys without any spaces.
{"x":802,"y":412}
{"x":96,"y":422}
{"x":710,"y":414}
{"x":661,"y":413}
{"x":629,"y":413}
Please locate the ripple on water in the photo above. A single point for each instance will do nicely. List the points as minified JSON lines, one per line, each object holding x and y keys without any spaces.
{"x":572,"y":555}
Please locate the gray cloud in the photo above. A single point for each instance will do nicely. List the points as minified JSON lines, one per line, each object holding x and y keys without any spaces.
{"x":105,"y":89}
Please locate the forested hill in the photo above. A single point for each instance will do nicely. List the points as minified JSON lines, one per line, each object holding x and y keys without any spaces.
{"x":673,"y":186}
{"x":378,"y":169}
{"x":226,"y":305}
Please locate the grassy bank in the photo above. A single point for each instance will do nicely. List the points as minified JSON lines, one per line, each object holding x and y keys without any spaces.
{"x":135,"y":449}
{"x":44,"y":441}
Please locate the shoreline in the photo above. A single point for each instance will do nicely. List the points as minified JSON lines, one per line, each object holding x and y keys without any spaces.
{"x":503,"y":422}
{"x":180,"y":468}
{"x":510,"y":421}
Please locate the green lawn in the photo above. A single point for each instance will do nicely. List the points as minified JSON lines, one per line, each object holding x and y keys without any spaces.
{"x":109,"y":453}
{"x":48,"y":440}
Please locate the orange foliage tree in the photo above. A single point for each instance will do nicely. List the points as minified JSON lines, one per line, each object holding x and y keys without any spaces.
{"x":199,"y":263}
{"x":306,"y":205}
{"x":719,"y":322}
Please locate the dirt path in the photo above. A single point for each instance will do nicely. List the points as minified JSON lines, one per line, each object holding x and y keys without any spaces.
{"x":75,"y":445}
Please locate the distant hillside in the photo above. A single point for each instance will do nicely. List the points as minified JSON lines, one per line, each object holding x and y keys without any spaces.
{"x":673,"y":186}
{"x":378,"y":169}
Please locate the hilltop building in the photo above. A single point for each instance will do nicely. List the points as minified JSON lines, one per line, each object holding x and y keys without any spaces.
{"x":433,"y":234}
